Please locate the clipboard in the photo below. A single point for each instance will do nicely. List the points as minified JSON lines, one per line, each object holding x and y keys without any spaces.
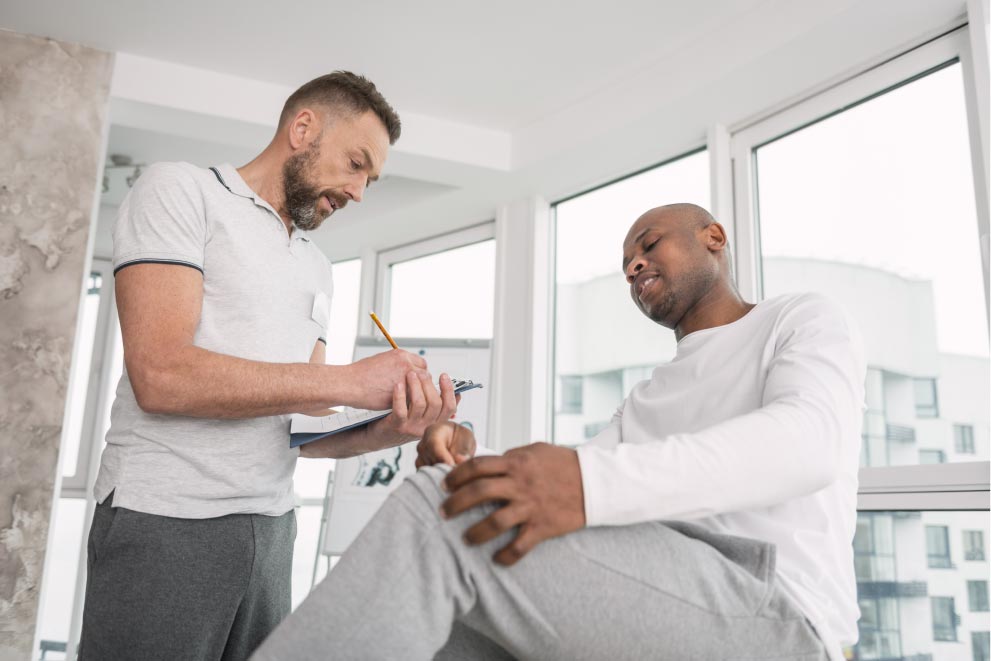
{"x":305,"y":429}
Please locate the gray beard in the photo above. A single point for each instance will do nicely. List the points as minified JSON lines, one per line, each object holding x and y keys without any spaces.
{"x":301,"y":197}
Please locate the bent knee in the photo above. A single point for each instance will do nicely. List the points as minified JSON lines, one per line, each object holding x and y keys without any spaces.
{"x":423,"y":490}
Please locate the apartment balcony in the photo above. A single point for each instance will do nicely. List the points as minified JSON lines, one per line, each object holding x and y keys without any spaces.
{"x":892,"y":589}
{"x":899,"y":433}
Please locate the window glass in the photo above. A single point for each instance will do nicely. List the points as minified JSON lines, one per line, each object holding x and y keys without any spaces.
{"x":912,"y":585}
{"x":449,"y":294}
{"x":62,"y":568}
{"x":601,"y":338}
{"x":973,"y":544}
{"x":944,"y":619}
{"x":932,"y":457}
{"x":963,"y":438}
{"x":874,"y":206}
{"x":80,"y":376}
{"x":977,"y":596}
{"x":980,"y":642}
{"x":344,"y":312}
{"x":938,"y":546}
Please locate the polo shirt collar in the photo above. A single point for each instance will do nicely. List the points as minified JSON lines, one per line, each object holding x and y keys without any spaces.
{"x":233,"y":181}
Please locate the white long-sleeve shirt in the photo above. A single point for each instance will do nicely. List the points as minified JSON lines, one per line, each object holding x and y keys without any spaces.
{"x":753,"y":429}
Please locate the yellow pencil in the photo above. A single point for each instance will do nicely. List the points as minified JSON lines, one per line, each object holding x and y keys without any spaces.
{"x":384,"y":331}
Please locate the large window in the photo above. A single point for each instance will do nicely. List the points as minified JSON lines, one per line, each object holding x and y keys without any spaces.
{"x":97,"y":365}
{"x":892,"y":235}
{"x":311,"y":476}
{"x":603,"y":345}
{"x":908,"y":578}
{"x":866,"y":192}
{"x":440,"y":288}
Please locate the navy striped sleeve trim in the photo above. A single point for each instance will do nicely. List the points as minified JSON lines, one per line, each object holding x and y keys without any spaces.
{"x":178,"y":262}
{"x":320,"y":339}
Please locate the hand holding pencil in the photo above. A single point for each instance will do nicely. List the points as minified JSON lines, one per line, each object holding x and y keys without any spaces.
{"x":377,"y":377}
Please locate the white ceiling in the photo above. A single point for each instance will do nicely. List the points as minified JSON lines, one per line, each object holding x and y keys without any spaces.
{"x":497,"y":64}
{"x":578,"y":92}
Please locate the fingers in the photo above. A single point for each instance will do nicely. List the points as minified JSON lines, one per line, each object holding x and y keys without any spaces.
{"x":462,"y":444}
{"x":432,"y":399}
{"x":503,"y":519}
{"x":417,"y":402}
{"x":449,"y":402}
{"x":527,"y":538}
{"x":399,"y":402}
{"x":433,"y":448}
{"x":477,"y":492}
{"x":475,"y":469}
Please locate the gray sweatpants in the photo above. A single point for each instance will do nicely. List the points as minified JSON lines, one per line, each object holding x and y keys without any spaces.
{"x":193,"y":589}
{"x":409,"y":588}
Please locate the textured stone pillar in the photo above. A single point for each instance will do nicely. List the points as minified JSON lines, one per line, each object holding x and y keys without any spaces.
{"x":53,"y":101}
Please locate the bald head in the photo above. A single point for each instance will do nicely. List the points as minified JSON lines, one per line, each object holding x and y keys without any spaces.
{"x":673,"y":257}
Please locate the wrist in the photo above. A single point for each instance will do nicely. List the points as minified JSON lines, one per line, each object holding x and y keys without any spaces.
{"x":340,"y":388}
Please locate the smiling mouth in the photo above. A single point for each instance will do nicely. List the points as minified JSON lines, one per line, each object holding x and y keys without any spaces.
{"x":644,"y":284}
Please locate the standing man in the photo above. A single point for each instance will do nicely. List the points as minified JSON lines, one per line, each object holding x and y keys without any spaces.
{"x":223,"y":302}
{"x":713,"y":519}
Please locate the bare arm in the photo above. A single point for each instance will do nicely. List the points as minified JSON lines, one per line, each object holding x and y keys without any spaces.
{"x":159,"y":306}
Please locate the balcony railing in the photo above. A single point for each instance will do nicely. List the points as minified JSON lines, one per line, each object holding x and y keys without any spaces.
{"x":899,"y":433}
{"x":891,"y":589}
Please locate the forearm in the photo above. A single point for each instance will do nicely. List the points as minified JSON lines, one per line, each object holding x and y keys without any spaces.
{"x":339,"y":446}
{"x":194,"y":382}
{"x":757,"y":460}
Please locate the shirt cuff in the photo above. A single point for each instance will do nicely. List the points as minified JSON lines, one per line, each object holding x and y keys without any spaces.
{"x":595,"y":485}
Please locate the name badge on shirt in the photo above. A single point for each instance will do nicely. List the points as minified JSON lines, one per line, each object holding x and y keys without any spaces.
{"x":321,"y":311}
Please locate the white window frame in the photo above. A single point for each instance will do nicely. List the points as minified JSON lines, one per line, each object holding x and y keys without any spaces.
{"x":716,"y":186}
{"x":957,"y":486}
{"x":75,"y":485}
{"x":870,"y":83}
{"x":423,"y":248}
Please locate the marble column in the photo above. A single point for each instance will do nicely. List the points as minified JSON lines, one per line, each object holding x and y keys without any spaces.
{"x":53,"y":102}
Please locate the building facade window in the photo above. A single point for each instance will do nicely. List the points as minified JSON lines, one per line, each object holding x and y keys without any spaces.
{"x":963,"y":438}
{"x":977,"y":596}
{"x":926,"y":400}
{"x":944,"y":619}
{"x":938,"y":547}
{"x":973,"y":545}
{"x":980,"y":645}
{"x":880,"y":632}
{"x":932,"y":457}
{"x":571,"y":395}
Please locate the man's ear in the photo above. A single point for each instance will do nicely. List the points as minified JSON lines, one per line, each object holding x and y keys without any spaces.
{"x":715,"y":239}
{"x":302,"y":128}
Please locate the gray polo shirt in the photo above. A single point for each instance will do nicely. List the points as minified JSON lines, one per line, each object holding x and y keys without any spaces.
{"x":266,"y":297}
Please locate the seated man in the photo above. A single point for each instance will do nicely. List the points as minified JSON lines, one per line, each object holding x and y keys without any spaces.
{"x":713,"y":519}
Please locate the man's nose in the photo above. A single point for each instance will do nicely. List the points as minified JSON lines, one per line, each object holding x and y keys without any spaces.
{"x":356,"y":191}
{"x":633,"y":268}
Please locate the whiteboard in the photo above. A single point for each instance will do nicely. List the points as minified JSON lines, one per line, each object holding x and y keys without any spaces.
{"x":361,"y":484}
